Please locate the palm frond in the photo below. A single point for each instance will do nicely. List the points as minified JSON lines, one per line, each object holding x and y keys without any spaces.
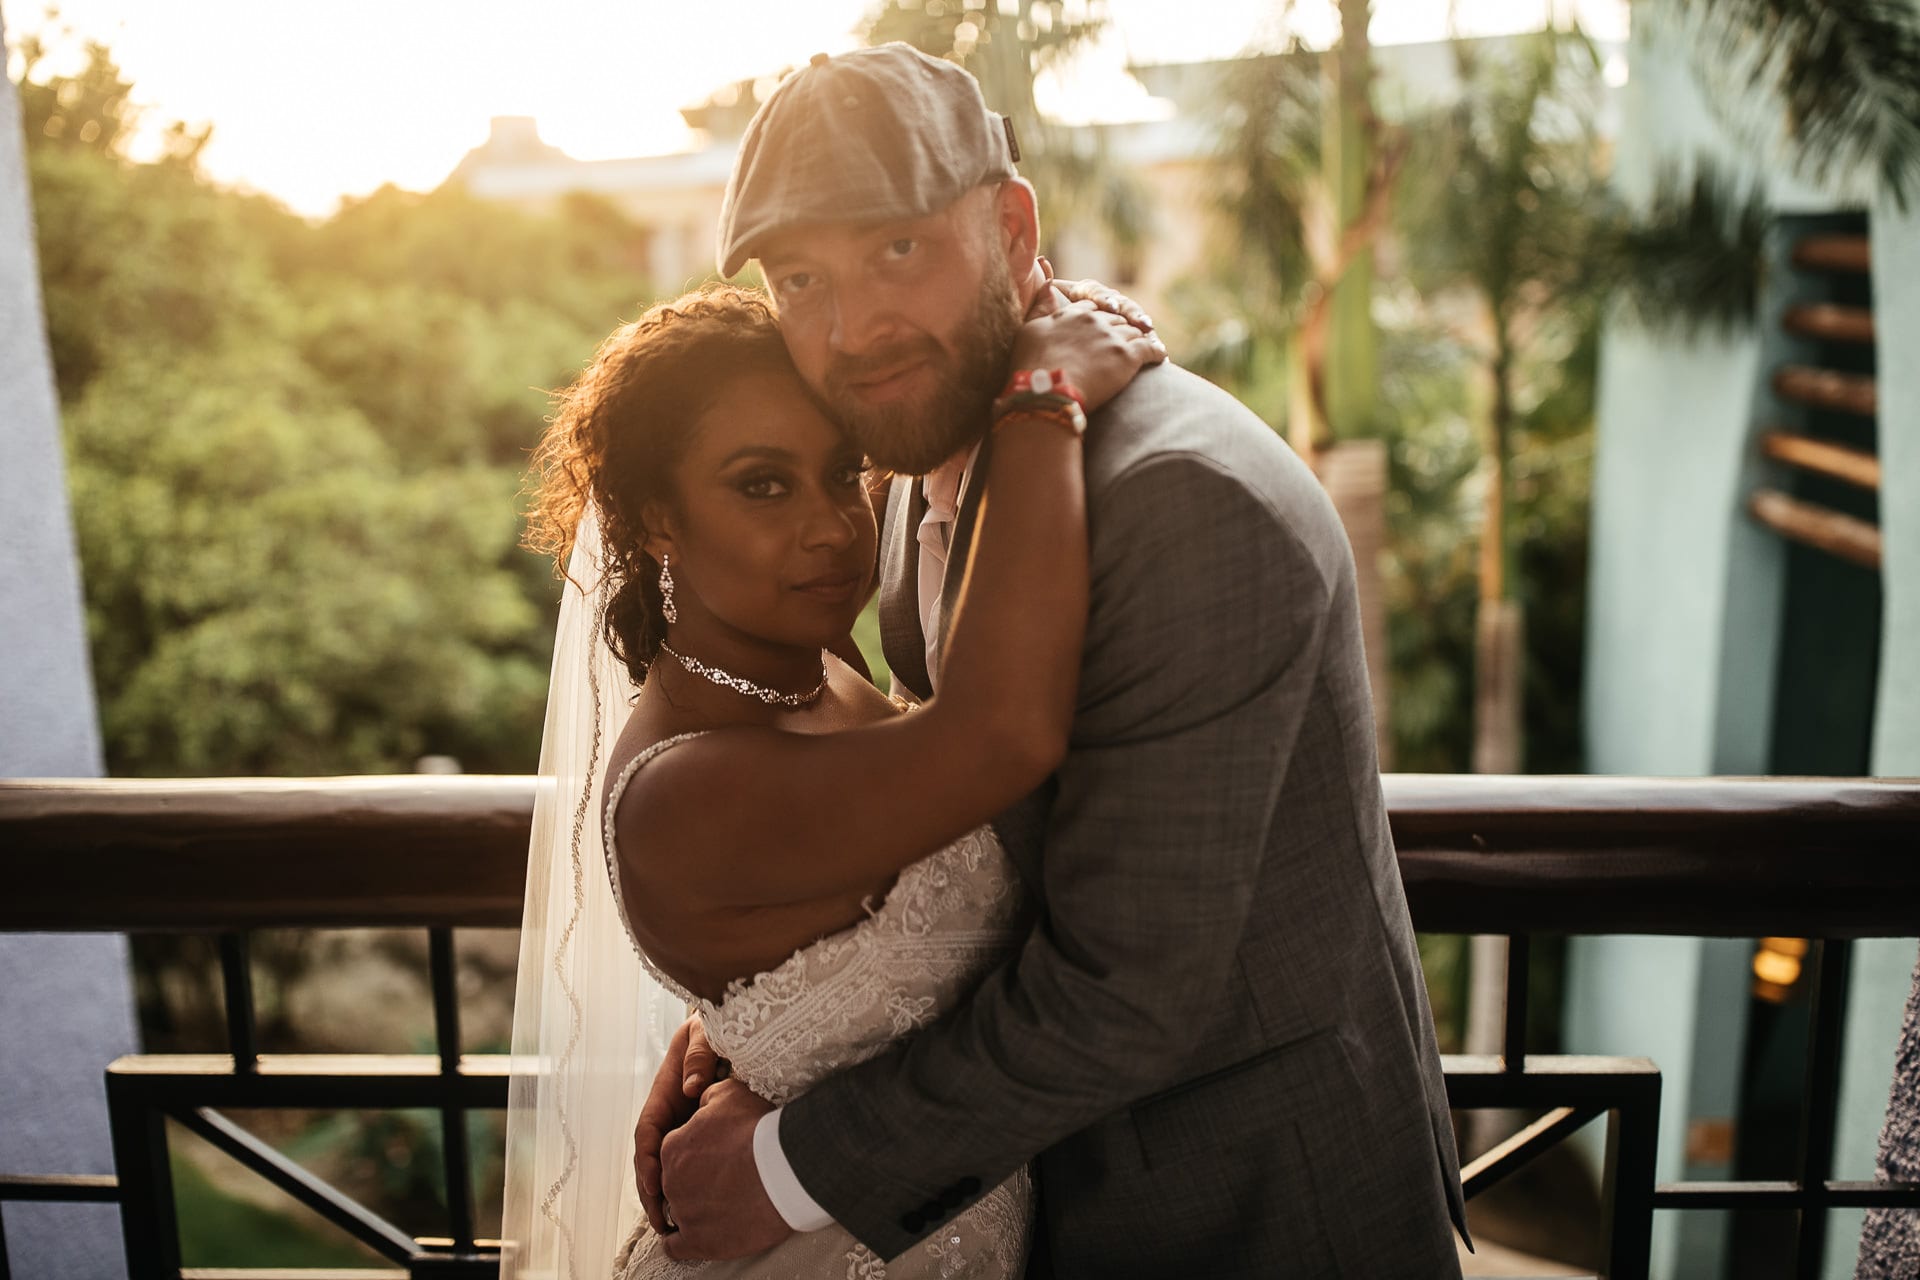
{"x":1693,"y":262}
{"x":1269,"y":138}
{"x":1846,"y":72}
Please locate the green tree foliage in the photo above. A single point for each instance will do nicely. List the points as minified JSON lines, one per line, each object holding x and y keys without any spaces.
{"x":89,"y":111}
{"x":1496,"y":197}
{"x":1501,"y":212}
{"x":295,"y":448}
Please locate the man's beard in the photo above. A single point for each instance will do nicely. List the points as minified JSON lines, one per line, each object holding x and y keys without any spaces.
{"x":916,"y":438}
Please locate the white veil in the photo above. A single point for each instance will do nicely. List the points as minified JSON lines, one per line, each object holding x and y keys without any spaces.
{"x":589,"y":1023}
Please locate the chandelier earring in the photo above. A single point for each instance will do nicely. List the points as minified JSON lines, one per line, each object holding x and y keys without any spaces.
{"x":667,"y":610}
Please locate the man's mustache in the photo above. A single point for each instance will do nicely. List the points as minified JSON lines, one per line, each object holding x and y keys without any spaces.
{"x":874,"y":365}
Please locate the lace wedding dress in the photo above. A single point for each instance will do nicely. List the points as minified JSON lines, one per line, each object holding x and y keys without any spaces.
{"x":949,"y":918}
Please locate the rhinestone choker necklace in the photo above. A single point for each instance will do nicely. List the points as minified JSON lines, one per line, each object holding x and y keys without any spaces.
{"x":727,"y":680}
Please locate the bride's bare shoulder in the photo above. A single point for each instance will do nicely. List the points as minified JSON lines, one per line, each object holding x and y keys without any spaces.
{"x":855,"y":700}
{"x":851,"y":702}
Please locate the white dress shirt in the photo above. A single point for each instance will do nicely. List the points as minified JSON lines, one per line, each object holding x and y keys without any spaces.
{"x":943,"y":487}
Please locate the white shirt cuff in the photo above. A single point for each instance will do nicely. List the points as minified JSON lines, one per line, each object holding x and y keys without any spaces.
{"x":802,"y":1211}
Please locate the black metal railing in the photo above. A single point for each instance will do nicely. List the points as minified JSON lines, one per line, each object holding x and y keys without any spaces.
{"x":1830,"y":861}
{"x":146,"y":1091}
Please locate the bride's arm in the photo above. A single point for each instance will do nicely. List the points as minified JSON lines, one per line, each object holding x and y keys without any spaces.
{"x":758,"y":816}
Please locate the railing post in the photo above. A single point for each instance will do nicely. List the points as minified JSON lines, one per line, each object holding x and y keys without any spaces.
{"x":236,"y":974}
{"x":1513,"y":1031}
{"x":149,"y":1223}
{"x":1633,"y":1147}
{"x":1820,"y":1104}
{"x":456,"y":1162}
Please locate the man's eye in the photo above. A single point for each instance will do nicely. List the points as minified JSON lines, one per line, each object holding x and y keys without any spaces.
{"x":902,"y":247}
{"x":794,"y":282}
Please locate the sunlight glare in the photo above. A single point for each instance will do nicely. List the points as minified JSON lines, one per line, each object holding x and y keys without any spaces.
{"x":312,"y":104}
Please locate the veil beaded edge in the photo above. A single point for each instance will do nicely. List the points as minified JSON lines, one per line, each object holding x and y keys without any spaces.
{"x":589,"y":1023}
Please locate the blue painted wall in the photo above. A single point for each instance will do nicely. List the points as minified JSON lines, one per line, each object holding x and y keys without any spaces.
{"x":66,"y":1006}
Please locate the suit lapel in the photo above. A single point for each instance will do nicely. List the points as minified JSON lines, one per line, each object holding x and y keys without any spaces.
{"x":966,"y":517}
{"x":1022,"y":827}
{"x":901,"y":639}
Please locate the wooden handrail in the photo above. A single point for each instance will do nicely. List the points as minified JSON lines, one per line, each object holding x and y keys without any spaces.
{"x":1847,"y":537}
{"x":1853,"y":254}
{"x":222,"y":853}
{"x":1829,"y":322}
{"x":1827,"y":389}
{"x":1855,"y":466}
{"x":1709,"y":857}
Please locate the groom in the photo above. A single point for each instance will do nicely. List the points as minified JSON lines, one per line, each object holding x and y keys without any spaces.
{"x":1215,"y":1044}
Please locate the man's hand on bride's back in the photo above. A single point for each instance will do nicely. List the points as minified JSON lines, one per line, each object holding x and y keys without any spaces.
{"x":1097,"y":346}
{"x":712,"y":1182}
{"x":689,"y":1069}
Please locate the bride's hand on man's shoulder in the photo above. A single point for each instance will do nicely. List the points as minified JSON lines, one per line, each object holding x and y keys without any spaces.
{"x":1092,"y":339}
{"x":1107,"y":299}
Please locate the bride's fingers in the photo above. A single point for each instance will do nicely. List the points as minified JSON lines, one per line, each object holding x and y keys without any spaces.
{"x":1126,"y":308}
{"x":646,"y":1173}
{"x":666,"y":1108}
{"x":701,"y":1064}
{"x":1110,"y":300}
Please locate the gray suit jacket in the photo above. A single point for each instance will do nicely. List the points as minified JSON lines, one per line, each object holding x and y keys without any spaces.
{"x":1216,"y":1041}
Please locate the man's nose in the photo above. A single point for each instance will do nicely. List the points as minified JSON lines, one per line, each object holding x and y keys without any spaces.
{"x":861,"y":324}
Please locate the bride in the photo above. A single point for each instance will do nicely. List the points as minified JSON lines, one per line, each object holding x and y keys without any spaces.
{"x":732,"y":803}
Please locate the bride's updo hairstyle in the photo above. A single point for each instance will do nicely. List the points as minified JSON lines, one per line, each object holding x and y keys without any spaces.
{"x":617,"y":433}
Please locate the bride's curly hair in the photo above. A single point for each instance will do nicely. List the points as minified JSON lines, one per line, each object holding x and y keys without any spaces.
{"x":618,"y":431}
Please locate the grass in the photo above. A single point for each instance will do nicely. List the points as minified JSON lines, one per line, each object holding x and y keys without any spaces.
{"x":218,"y":1230}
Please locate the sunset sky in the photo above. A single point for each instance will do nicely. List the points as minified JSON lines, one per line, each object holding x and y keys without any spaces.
{"x":312,"y":102}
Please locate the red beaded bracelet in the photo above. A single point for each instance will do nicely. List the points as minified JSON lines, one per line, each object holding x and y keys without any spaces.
{"x":1048,"y":407}
{"x":1044,"y":382}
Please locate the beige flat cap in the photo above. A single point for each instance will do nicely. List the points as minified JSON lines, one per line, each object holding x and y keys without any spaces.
{"x":871,"y":135}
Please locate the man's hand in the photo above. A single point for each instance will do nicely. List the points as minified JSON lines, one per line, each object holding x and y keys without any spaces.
{"x":712,"y":1183}
{"x":690,"y":1066}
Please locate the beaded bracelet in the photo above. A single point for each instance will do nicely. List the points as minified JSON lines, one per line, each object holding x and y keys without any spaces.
{"x":1049,"y":407}
{"x":1043,"y":382}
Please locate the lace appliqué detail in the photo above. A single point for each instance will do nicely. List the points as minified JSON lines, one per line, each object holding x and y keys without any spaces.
{"x":949,"y":918}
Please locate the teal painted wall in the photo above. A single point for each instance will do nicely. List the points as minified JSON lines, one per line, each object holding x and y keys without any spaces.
{"x":1896,"y":285}
{"x":1683,"y":627}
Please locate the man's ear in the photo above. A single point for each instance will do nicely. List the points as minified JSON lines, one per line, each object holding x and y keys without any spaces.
{"x":1017,"y":220}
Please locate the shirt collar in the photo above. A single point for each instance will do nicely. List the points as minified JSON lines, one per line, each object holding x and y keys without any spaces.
{"x":943,"y":485}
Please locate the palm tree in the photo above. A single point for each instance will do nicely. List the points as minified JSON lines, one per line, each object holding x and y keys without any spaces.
{"x":1309,"y":169}
{"x":1829,"y":87}
{"x":1832,"y":85}
{"x":1500,"y":217}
